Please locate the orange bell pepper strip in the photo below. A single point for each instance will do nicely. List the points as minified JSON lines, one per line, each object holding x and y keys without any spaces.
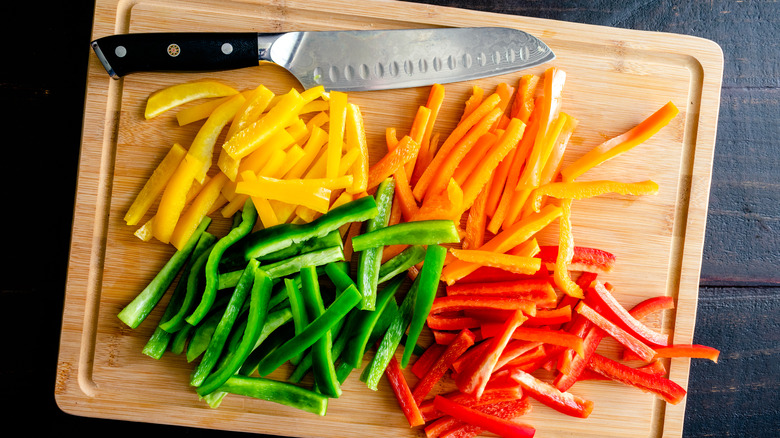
{"x":155,"y":185}
{"x":200,"y":207}
{"x":554,"y":163}
{"x":174,"y":197}
{"x":474,"y":157}
{"x":506,"y":92}
{"x":565,"y":253}
{"x":504,"y":241}
{"x":356,"y":139}
{"x":280,"y":116}
{"x":523,"y":105}
{"x":451,"y":160}
{"x":477,"y":180}
{"x":430,"y":140}
{"x":336,"y":128}
{"x":448,"y":204}
{"x":476,"y":97}
{"x":202,"y":146}
{"x":452,"y":140}
{"x":497,"y":183}
{"x":417,"y":132}
{"x":507,"y":262}
{"x":621,"y":143}
{"x":476,"y":221}
{"x":692,"y":351}
{"x":589,"y":189}
{"x":389,"y":164}
{"x":179,"y":94}
{"x":403,"y":192}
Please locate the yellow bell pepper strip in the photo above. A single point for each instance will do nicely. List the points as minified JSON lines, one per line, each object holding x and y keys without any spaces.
{"x":199,"y":209}
{"x":390,"y":163}
{"x":428,"y":232}
{"x":175,"y":95}
{"x":279,"y":117}
{"x":507,"y":262}
{"x":356,"y":139}
{"x":155,"y":185}
{"x":199,"y":112}
{"x":290,"y":191}
{"x":323,"y":367}
{"x":259,"y":296}
{"x":138,"y":309}
{"x":427,"y":287}
{"x":589,"y":189}
{"x":370,"y":259}
{"x":174,"y":198}
{"x":504,"y":241}
{"x":451,"y":141}
{"x":336,"y":128}
{"x":622,"y":143}
{"x":447,"y":166}
{"x":248,"y":220}
{"x":202,"y":146}
{"x":317,"y":139}
{"x":565,"y":254}
{"x":336,"y":311}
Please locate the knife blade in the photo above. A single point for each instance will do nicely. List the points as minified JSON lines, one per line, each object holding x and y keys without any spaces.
{"x":351,"y":60}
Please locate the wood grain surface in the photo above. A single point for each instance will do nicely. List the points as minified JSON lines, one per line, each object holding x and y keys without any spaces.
{"x":737,"y":309}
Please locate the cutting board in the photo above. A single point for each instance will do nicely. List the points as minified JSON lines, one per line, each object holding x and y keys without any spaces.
{"x":615,"y":78}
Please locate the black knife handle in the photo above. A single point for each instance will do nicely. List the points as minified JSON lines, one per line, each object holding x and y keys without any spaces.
{"x":176,"y":51}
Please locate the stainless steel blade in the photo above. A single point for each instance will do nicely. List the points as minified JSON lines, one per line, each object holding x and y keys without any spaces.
{"x":385,"y":59}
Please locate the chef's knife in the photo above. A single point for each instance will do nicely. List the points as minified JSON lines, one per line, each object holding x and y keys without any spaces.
{"x":338,"y":60}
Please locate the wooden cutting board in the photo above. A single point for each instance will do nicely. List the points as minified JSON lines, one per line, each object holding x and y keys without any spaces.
{"x":615,"y":78}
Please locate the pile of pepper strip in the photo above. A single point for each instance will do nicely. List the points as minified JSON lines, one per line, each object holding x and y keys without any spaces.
{"x":510,"y":306}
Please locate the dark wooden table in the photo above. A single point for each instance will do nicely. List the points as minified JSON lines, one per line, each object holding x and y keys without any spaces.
{"x":42,"y":83}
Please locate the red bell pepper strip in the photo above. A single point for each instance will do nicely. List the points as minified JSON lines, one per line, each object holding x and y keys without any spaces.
{"x":570,"y":373}
{"x":426,"y":360}
{"x":692,"y":351}
{"x":457,"y":322}
{"x":552,"y":317}
{"x":584,"y":258}
{"x":497,"y":425}
{"x":507,"y":410}
{"x":553,"y":337}
{"x":462,"y":342}
{"x":660,"y":386}
{"x":564,"y":402}
{"x":474,"y":378}
{"x":491,"y":395}
{"x":623,"y":337}
{"x":468,"y":302}
{"x":539,"y":290}
{"x":514,"y":349}
{"x":610,"y":308}
{"x":469,"y":356}
{"x":651,"y":305}
{"x":537,"y":355}
{"x":403,"y":394}
{"x":655,"y":368}
{"x":490,"y":274}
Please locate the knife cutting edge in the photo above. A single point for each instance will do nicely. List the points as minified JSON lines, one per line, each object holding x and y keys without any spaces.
{"x":353,"y":60}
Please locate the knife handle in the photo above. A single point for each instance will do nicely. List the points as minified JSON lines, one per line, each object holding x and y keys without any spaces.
{"x":176,"y":51}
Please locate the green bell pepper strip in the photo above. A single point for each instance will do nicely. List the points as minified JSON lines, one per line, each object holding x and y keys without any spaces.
{"x":322,"y":359}
{"x":370,"y":259}
{"x":429,"y":276}
{"x":229,"y":279}
{"x":137,"y":310}
{"x":277,"y":392}
{"x":203,"y":332}
{"x":428,"y":232}
{"x":216,"y":346}
{"x":160,"y":339}
{"x":333,"y":238}
{"x":407,"y":258}
{"x":272,"y":327}
{"x":248,"y":219}
{"x":273,"y":340}
{"x":295,"y":264}
{"x":281,"y":236}
{"x":340,"y":307}
{"x":180,"y":338}
{"x":188,"y":283}
{"x":340,"y":331}
{"x":299,"y":315}
{"x":367,"y":320}
{"x":258,"y":309}
{"x":374,"y":371}
{"x":337,"y":273}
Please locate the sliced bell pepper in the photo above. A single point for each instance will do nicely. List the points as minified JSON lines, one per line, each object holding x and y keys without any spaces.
{"x":423,"y":364}
{"x":622,"y":143}
{"x":201,"y":111}
{"x":508,"y":262}
{"x":474,"y":156}
{"x":692,"y":351}
{"x":476,"y":220}
{"x":469,"y":302}
{"x":537,"y":290}
{"x":427,"y":287}
{"x":447,"y":204}
{"x":515,"y":349}
{"x":623,"y":337}
{"x":610,"y":308}
{"x":389,"y":164}
{"x":370,"y":259}
{"x":583,"y":259}
{"x":199,"y":208}
{"x":410,"y":256}
{"x":403,"y":394}
{"x":462,"y":342}
{"x":550,"y":317}
{"x":565,"y":253}
{"x":278,"y":392}
{"x":430,"y":232}
{"x":589,"y":189}
{"x":370,"y":323}
{"x":571,"y":373}
{"x":205,"y":140}
{"x":179,"y":94}
{"x":500,"y":426}
{"x":139,"y":308}
{"x":564,"y":402}
{"x":294,"y":264}
{"x":523,"y":104}
{"x":277,"y":324}
{"x":493,"y":394}
{"x":651,"y":305}
{"x":509,"y":410}
{"x":552,"y":337}
{"x":300,"y":316}
{"x":660,"y":386}
{"x":337,"y":124}
{"x":337,"y":310}
{"x":155,"y":185}
{"x":312,"y":194}
{"x":174,"y":197}
{"x":356,"y":138}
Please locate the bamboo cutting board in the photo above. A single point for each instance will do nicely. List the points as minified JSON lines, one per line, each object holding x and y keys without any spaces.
{"x":615,"y":78}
